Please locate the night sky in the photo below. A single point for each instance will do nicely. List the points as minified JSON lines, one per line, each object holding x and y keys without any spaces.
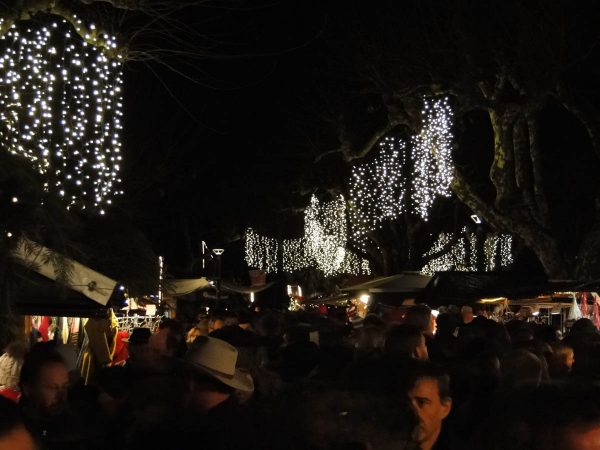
{"x":235,"y":146}
{"x":229,"y":150}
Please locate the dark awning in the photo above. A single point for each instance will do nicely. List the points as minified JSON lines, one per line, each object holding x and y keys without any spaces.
{"x":459,"y":288}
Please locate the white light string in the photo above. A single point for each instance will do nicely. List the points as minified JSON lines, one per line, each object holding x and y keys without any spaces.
{"x":61,"y":108}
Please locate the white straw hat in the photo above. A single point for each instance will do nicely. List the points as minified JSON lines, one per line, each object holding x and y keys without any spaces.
{"x":217,"y":359}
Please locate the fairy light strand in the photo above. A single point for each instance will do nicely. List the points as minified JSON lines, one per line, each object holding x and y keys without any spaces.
{"x":323,"y":246}
{"x":377,"y":189}
{"x":459,"y":259}
{"x":432,"y":156}
{"x":61,"y":108}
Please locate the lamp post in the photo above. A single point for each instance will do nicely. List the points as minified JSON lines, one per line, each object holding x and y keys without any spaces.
{"x":218,"y":252}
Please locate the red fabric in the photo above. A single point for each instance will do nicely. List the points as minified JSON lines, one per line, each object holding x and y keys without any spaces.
{"x":43,"y":328}
{"x":121,"y":353}
{"x":584,"y":305}
{"x":596,"y":314}
{"x":10,"y":394}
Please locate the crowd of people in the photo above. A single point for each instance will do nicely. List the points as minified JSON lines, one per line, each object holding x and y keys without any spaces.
{"x":302,"y":381}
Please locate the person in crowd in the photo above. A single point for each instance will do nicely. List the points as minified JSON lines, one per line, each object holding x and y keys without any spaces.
{"x":215,"y":321}
{"x":521,"y":367}
{"x":421,"y":316}
{"x":429,"y":395}
{"x":10,"y":369}
{"x":443,"y":346}
{"x":192,"y":334}
{"x":13,"y":434}
{"x":466,"y":312}
{"x":560,"y":362}
{"x":137,"y":347}
{"x":166,"y":344}
{"x":405,"y":342}
{"x":45,"y":405}
{"x":555,"y":416}
{"x":213,"y":418}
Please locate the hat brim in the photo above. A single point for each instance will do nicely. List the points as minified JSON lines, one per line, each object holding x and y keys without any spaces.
{"x":239,"y":380}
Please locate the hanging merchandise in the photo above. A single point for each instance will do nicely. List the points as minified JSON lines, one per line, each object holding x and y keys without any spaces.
{"x":584,"y":305}
{"x":596,"y":317}
{"x":101,"y":339}
{"x":574,"y":311}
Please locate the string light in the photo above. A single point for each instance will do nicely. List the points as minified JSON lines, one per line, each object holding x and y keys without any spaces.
{"x":261,"y":251}
{"x":377,"y":189}
{"x":323,"y":245}
{"x":61,"y":108}
{"x":431,"y":155}
{"x":458,"y":258}
{"x":295,"y":256}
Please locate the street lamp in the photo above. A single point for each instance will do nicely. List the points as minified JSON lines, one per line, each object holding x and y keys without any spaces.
{"x":218,"y":252}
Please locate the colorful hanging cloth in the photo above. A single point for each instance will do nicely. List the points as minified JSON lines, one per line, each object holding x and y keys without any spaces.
{"x":596,"y":318}
{"x":584,"y":304}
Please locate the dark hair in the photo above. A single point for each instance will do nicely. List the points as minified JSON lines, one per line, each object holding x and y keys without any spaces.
{"x":401,"y":341}
{"x":429,"y":370}
{"x":10,"y":416}
{"x":42,"y":354}
{"x":176,"y":337}
{"x":419,"y":316}
{"x":521,"y":366}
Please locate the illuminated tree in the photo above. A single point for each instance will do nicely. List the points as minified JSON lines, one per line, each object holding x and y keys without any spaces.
{"x":515,"y":73}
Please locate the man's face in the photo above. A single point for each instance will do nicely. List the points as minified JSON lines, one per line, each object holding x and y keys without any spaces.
{"x":49,"y":394}
{"x":429,"y":407}
{"x":581,"y":438}
{"x":570,"y":359}
{"x":17,"y":439}
{"x":468,"y":316}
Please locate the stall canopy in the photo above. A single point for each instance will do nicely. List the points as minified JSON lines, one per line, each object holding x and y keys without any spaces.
{"x":41,"y":290}
{"x":178,"y":288}
{"x":402,"y":283}
{"x":459,"y":288}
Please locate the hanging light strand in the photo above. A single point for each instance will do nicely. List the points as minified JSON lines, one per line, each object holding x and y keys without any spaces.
{"x":61,"y":108}
{"x":377,"y":189}
{"x":432,"y":155}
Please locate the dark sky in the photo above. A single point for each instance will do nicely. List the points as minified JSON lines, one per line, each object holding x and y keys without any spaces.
{"x":205,"y":159}
{"x":227,"y":150}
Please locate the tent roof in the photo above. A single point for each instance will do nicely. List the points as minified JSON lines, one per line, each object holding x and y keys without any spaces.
{"x":405,"y":282}
{"x":38,"y":295}
{"x":187,"y":286}
{"x":459,"y":288}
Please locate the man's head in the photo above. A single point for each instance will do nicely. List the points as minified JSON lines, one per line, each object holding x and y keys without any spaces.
{"x":406,"y":341}
{"x":212,"y":374}
{"x":421,"y":317}
{"x":215,"y":322}
{"x":429,"y":395}
{"x":44,"y":381}
{"x":467,"y":314}
{"x":13,"y":434}
{"x":137,"y":346}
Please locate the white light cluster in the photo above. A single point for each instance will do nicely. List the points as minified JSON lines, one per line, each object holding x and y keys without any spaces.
{"x":432,"y":155}
{"x":323,"y":245}
{"x":261,"y":251}
{"x":295,"y":255}
{"x":61,"y":108}
{"x":377,"y":189}
{"x":459,"y":259}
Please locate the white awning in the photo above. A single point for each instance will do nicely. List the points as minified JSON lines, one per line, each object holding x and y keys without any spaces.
{"x":185,"y":286}
{"x":82,"y":279}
